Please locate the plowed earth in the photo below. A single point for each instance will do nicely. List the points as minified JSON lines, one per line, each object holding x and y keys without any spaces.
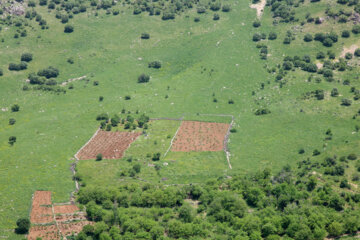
{"x":111,"y":145}
{"x":200,"y":136}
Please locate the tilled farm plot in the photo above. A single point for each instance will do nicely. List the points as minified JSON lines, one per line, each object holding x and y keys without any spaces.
{"x":52,"y":222}
{"x":200,"y":137}
{"x":111,"y":145}
{"x":41,"y":211}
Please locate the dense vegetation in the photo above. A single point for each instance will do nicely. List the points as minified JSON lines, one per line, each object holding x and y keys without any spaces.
{"x":312,"y":201}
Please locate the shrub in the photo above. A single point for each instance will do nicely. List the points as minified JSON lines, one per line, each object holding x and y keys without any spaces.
{"x":345,"y":34}
{"x":262,"y":111}
{"x":301,"y":151}
{"x":1,"y":72}
{"x":108,"y":128}
{"x":233,"y":130}
{"x":137,"y":168}
{"x":272,"y":36}
{"x":201,"y":9}
{"x":316,"y":152}
{"x":127,"y":97}
{"x":143,"y":78}
{"x":216,"y":17}
{"x":287,"y":40}
{"x":68,"y":28}
{"x":23,"y":225}
{"x":357,"y":52}
{"x":155,"y":64}
{"x":356,"y":29}
{"x":15,"y":108}
{"x":215,"y":6}
{"x":70,"y":60}
{"x":231,"y":101}
{"x":168,"y":15}
{"x":99,"y":157}
{"x":156,"y":156}
{"x":320,"y":55}
{"x":26,"y":57}
{"x":346,"y":102}
{"x":256,"y":37}
{"x":348,"y":56}
{"x":31,"y":3}
{"x":226,"y":8}
{"x":256,"y":23}
{"x":328,"y":42}
{"x":102,"y":116}
{"x":115,"y":12}
{"x":145,"y":36}
{"x":49,"y":72}
{"x":17,"y":67}
{"x":12,"y":140}
{"x":334,"y":92}
{"x":352,"y":156}
{"x":12,"y":121}
{"x":196,"y":19}
{"x":42,"y":2}
{"x":101,"y":98}
{"x":308,"y":37}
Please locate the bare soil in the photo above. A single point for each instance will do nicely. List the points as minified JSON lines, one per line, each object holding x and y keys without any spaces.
{"x":41,"y":211}
{"x":259,"y":7}
{"x":63,"y":209}
{"x":49,"y":232}
{"x":200,"y":136}
{"x":111,"y":145}
{"x":351,"y":49}
{"x":67,"y":229}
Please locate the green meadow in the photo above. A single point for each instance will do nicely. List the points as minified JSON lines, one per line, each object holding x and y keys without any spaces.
{"x":200,"y":61}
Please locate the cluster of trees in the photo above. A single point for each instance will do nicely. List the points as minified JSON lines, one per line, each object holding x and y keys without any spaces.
{"x":295,"y":204}
{"x":44,"y":76}
{"x":129,"y":122}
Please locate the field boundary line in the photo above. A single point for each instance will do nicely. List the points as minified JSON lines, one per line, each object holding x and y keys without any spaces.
{"x":171,"y":142}
{"x":97,"y":131}
{"x":226,"y":139}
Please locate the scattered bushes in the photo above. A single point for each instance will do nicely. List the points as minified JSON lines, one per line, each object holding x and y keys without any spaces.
{"x":262,"y":111}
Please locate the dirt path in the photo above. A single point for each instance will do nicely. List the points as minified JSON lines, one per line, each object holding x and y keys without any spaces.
{"x":172,"y":140}
{"x":259,"y":7}
{"x":72,"y":80}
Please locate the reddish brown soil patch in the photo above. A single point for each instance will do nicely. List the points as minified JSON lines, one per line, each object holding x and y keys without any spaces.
{"x":63,"y":209}
{"x":45,"y":232}
{"x":66,"y":218}
{"x":67,"y":229}
{"x":41,"y":211}
{"x":111,"y":145}
{"x":200,"y":136}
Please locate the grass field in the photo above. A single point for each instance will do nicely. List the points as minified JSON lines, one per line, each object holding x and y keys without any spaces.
{"x":200,"y":61}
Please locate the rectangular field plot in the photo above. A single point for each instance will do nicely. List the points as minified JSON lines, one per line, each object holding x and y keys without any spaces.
{"x":111,"y":145}
{"x":196,"y":136}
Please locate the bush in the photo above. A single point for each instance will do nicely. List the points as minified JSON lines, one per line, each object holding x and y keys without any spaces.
{"x":49,"y":72}
{"x":201,"y":9}
{"x":143,"y":78}
{"x":15,"y":108}
{"x":357,"y":52}
{"x":155,"y":64}
{"x":137,"y":168}
{"x":1,"y":72}
{"x":328,"y":42}
{"x":316,"y":152}
{"x":102,"y":116}
{"x":17,"y":67}
{"x":12,"y":121}
{"x":320,"y":55}
{"x":68,"y":28}
{"x":262,"y":111}
{"x":99,"y":157}
{"x":226,"y":8}
{"x":12,"y":140}
{"x":42,"y":2}
{"x":145,"y":36}
{"x":356,"y":29}
{"x":345,"y":102}
{"x":334,"y":92}
{"x":156,"y":156}
{"x":256,"y":23}
{"x":215,"y":6}
{"x":308,"y":37}
{"x":216,"y":17}
{"x":26,"y":57}
{"x":256,"y":37}
{"x":23,"y":226}
{"x":352,"y":156}
{"x":272,"y":36}
{"x":345,"y":34}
